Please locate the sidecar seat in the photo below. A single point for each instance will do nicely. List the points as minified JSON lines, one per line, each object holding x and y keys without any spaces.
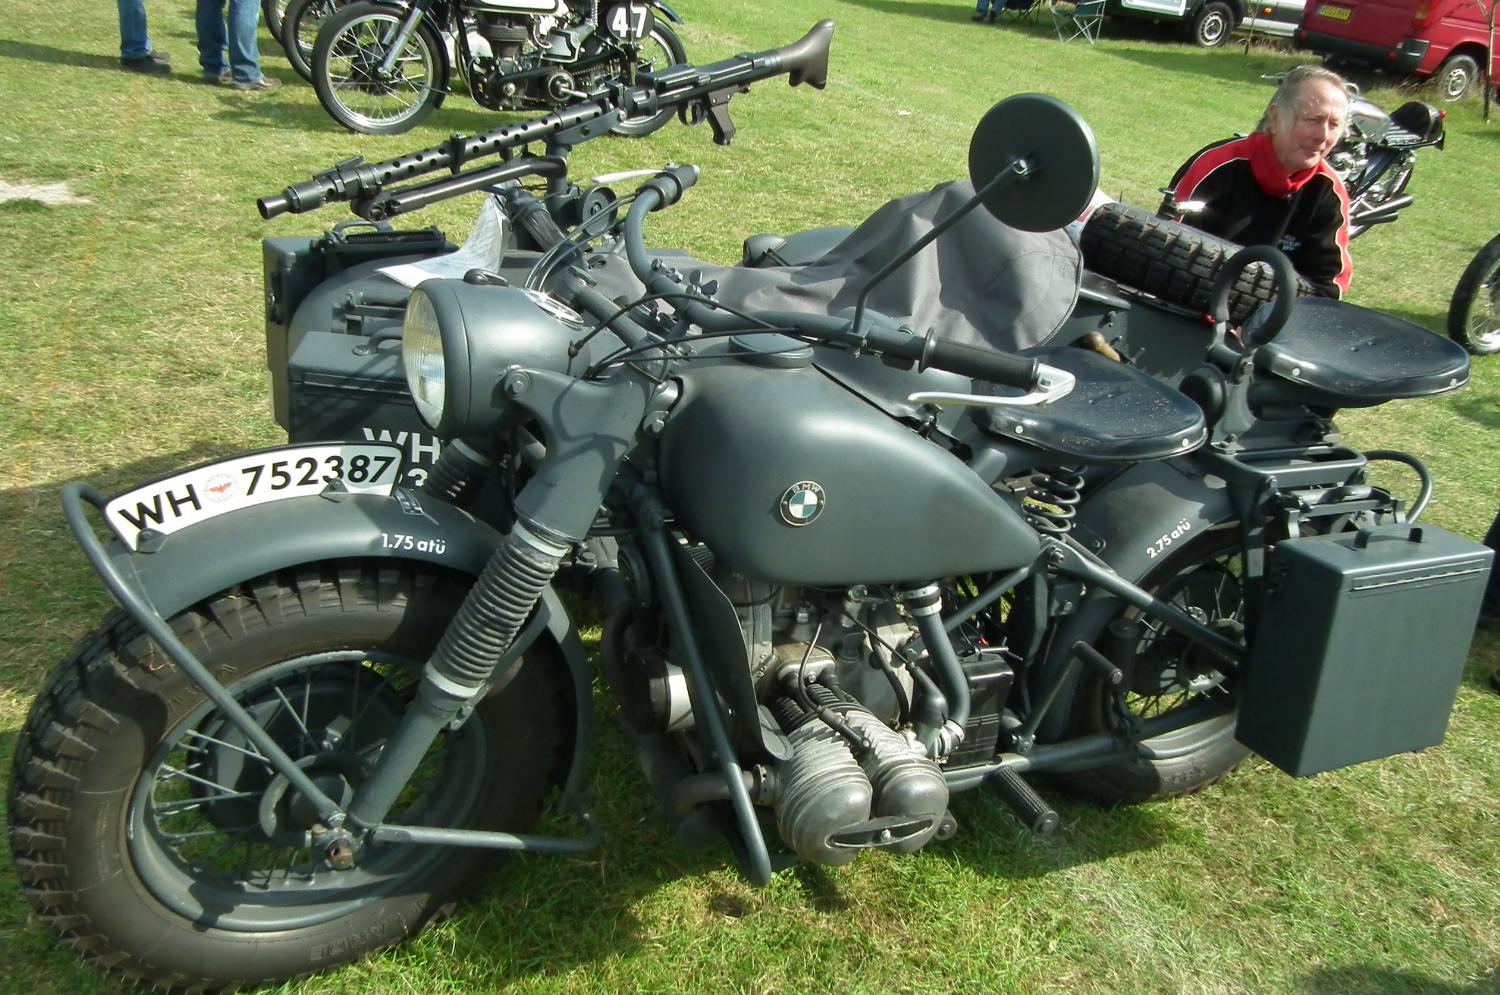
{"x":1115,"y":413}
{"x":1336,"y":355}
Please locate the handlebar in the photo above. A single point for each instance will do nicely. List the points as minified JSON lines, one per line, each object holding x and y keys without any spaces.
{"x":705,"y":91}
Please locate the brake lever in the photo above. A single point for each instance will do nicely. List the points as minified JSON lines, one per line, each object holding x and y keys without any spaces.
{"x":1052,"y":383}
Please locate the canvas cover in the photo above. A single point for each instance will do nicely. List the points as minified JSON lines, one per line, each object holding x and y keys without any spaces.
{"x":981,"y":282}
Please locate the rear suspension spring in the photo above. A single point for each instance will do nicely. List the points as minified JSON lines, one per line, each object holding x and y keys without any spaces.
{"x":1050,"y":501}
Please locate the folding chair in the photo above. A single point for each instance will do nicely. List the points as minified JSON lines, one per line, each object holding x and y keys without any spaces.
{"x":1082,"y":20}
{"x":1020,"y":10}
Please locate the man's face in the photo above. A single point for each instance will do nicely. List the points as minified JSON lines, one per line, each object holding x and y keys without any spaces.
{"x":1303,"y":142}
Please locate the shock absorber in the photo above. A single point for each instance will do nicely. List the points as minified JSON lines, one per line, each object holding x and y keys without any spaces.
{"x":463,"y":666}
{"x":1051,"y":498}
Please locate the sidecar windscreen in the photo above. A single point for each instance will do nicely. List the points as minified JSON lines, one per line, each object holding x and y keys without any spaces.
{"x":1343,"y":356}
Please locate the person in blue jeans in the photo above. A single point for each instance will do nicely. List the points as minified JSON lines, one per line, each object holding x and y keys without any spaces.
{"x":988,"y":10}
{"x":231,"y":26}
{"x":136,"y":53}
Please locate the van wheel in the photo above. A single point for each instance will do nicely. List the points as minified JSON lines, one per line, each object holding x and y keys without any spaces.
{"x":1456,"y":77}
{"x":1212,"y":25}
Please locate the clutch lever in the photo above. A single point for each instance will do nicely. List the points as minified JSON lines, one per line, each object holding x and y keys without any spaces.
{"x":1052,"y":383}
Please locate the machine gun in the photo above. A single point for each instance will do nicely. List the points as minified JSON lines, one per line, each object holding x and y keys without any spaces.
{"x":699,"y":93}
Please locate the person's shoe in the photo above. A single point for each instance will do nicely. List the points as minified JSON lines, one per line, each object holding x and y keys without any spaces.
{"x":978,"y":16}
{"x":154,"y":63}
{"x":223,"y":79}
{"x":989,"y":18}
{"x":263,"y":85}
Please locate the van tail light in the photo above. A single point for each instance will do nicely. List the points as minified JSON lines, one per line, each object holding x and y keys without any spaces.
{"x":1422,"y":16}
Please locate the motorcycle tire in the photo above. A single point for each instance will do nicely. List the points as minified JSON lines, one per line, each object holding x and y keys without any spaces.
{"x":1212,"y":25}
{"x":1170,"y":672}
{"x":272,"y":12}
{"x":345,"y":70}
{"x":661,"y":42}
{"x":299,"y":31}
{"x":1171,"y":260}
{"x":152,"y":837}
{"x":1474,"y":312}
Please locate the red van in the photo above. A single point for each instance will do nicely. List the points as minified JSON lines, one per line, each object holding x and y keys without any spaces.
{"x":1448,"y":39}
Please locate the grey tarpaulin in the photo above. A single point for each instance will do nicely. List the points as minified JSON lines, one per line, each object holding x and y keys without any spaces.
{"x":981,"y":282}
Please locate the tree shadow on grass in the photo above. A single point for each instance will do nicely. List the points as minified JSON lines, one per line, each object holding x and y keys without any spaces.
{"x":1364,"y":979}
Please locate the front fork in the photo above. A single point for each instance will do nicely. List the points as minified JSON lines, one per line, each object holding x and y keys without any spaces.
{"x":394,"y":47}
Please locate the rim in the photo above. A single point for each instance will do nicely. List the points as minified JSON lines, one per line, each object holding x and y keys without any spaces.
{"x":215,"y":833}
{"x":312,"y":17}
{"x":370,"y":99}
{"x":1456,"y":82}
{"x":1482,"y":323}
{"x":655,"y":53}
{"x":1212,"y":28}
{"x":1172,"y":672}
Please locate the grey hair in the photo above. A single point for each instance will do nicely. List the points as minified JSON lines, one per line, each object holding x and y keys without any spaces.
{"x":1289,"y":91}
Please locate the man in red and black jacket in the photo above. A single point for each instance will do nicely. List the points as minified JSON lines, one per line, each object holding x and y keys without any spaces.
{"x":1273,"y":186}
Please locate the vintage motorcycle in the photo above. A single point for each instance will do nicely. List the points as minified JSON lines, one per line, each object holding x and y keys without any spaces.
{"x":1474,"y":312}
{"x":846,"y":568}
{"x":381,"y":66}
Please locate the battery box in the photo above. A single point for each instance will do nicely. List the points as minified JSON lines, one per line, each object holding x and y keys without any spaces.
{"x":1360,"y":645}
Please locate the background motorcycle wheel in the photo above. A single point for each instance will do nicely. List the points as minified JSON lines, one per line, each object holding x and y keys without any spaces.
{"x":660,"y":49}
{"x":299,"y":31}
{"x":136,"y":807}
{"x":1474,"y":313}
{"x":1202,"y":579}
{"x":346,"y":55}
{"x":272,"y":12}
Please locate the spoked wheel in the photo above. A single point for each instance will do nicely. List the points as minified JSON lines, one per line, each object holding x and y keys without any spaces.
{"x":299,"y":31}
{"x":353,"y":83}
{"x":1474,"y":313}
{"x":1171,"y":673}
{"x":272,"y":13}
{"x":161,"y":843}
{"x":661,"y":48}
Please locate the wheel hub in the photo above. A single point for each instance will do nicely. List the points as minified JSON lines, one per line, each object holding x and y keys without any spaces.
{"x":287,"y":816}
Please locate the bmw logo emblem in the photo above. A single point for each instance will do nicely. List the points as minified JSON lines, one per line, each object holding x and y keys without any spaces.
{"x":802,"y":503}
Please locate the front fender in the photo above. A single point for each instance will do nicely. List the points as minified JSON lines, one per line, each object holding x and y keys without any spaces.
{"x":672,"y":15}
{"x":215,"y":555}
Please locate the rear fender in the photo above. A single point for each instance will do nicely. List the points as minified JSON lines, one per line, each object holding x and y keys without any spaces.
{"x":1131,"y":522}
{"x":215,"y":555}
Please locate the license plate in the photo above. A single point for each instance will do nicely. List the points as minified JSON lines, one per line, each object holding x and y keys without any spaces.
{"x":173,"y":503}
{"x":1334,"y":12}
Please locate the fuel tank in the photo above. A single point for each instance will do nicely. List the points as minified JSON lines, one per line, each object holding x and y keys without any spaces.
{"x":791,"y":478}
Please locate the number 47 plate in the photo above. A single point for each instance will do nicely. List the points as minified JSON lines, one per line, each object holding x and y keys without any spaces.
{"x":173,"y":503}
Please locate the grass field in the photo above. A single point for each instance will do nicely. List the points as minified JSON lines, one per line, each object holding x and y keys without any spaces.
{"x":131,"y":323}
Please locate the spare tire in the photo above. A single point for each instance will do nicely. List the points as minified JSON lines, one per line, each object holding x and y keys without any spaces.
{"x":1171,"y":260}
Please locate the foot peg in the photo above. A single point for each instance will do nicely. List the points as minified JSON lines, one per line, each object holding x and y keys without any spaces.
{"x":1035,"y":814}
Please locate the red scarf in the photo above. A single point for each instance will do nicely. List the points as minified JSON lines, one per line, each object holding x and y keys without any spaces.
{"x":1270,"y":173}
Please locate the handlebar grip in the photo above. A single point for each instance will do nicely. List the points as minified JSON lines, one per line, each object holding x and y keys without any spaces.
{"x":979,"y":362}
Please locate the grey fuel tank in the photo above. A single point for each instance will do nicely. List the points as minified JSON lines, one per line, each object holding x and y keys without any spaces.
{"x":791,"y":478}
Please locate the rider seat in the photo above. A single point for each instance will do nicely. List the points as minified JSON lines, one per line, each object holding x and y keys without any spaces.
{"x":1337,"y":355}
{"x":1115,"y":414}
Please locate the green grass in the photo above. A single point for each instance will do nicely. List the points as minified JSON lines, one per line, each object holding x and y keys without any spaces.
{"x":133,"y":335}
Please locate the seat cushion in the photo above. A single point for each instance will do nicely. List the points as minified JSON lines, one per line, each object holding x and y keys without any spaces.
{"x":1114,"y":414}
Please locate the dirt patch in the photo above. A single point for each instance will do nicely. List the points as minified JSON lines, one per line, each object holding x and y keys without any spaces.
{"x":42,"y":193}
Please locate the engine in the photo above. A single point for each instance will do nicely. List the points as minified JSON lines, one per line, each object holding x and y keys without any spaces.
{"x":517,"y":59}
{"x":853,"y":720}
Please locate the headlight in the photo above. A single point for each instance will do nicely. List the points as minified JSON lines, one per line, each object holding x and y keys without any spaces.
{"x":422,"y":354}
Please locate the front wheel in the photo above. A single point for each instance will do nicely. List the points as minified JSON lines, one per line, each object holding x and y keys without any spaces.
{"x":1212,"y":24}
{"x":1170,"y":674}
{"x":358,"y":89}
{"x":159,"y":843}
{"x":661,"y":48}
{"x":1474,"y":313}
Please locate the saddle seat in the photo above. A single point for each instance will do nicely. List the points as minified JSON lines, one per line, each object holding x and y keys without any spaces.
{"x":1114,"y":414}
{"x":1337,"y":355}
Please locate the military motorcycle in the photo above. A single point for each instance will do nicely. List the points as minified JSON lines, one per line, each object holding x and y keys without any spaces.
{"x":381,"y":66}
{"x":847,"y":569}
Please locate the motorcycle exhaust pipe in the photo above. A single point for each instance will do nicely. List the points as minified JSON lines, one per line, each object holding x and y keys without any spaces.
{"x":1382,"y":213}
